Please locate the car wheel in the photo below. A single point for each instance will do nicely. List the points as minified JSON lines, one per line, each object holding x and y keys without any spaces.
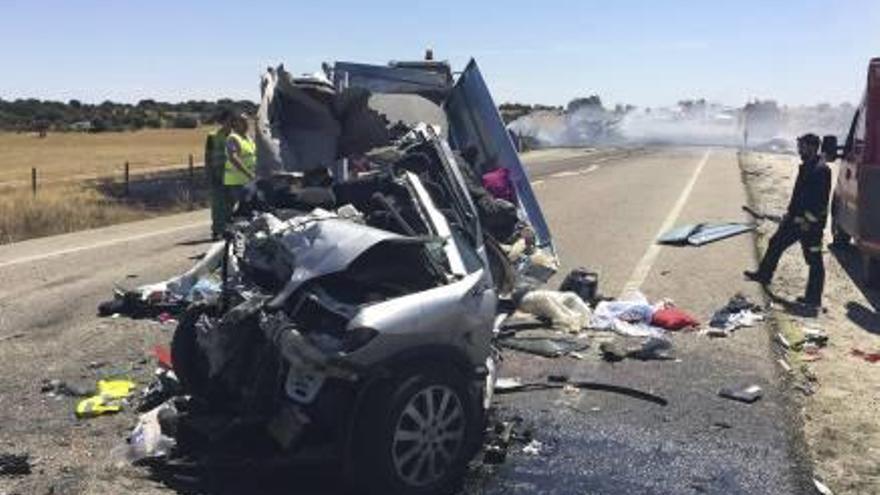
{"x":871,"y":267}
{"x":418,"y":434}
{"x":839,"y":236}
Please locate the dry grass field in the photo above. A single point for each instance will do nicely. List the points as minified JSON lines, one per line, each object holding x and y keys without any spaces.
{"x":74,"y":155}
{"x":66,"y":200}
{"x":59,"y":210}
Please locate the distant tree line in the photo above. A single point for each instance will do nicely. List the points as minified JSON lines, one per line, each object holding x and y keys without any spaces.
{"x":34,"y":115}
{"x":512,"y":111}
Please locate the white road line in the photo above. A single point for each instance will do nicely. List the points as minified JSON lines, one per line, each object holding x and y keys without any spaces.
{"x":537,"y":182}
{"x":640,"y":272}
{"x":570,"y":173}
{"x":62,"y":252}
{"x":574,"y":173}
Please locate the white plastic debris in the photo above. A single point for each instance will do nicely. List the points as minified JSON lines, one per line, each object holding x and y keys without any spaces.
{"x":505,"y":383}
{"x":565,"y":309}
{"x":822,"y":487}
{"x":147,"y":439}
{"x":533,"y":448}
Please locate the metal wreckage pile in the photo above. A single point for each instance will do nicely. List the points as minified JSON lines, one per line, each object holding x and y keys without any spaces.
{"x":351,"y":309}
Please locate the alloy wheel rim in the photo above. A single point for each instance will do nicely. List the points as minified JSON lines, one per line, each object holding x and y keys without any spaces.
{"x":428,"y":435}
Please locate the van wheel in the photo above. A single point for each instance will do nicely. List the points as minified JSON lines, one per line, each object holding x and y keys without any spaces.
{"x":871,"y":267}
{"x":839,"y":237}
{"x":417,"y":434}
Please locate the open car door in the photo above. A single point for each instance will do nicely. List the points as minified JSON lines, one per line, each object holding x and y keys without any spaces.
{"x":474,"y":121}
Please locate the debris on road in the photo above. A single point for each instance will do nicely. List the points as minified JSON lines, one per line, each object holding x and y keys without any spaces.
{"x":822,"y":488}
{"x":565,"y":309}
{"x":871,"y":357}
{"x":583,"y":385}
{"x":739,"y":312}
{"x":59,"y":387}
{"x":630,"y":316}
{"x":533,"y":448}
{"x":165,"y":385}
{"x":163,"y":356}
{"x":673,"y":318}
{"x":651,"y":348}
{"x":582,"y":282}
{"x":612,"y":351}
{"x":110,"y":398}
{"x":507,"y":383}
{"x":745,"y":393}
{"x":15,"y":464}
{"x":814,"y":336}
{"x":784,"y":365}
{"x":782,"y":340}
{"x":703,"y":233}
{"x":545,"y":343}
{"x":147,"y":439}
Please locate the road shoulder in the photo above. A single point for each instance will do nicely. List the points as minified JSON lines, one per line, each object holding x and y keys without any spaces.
{"x":838,"y":394}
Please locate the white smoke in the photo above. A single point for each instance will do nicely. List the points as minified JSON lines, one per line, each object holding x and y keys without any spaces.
{"x":690,"y":123}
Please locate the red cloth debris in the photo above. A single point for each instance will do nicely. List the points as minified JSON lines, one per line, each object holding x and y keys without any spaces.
{"x":163,"y":355}
{"x":497,"y":182}
{"x":871,"y":357}
{"x":673,"y":319}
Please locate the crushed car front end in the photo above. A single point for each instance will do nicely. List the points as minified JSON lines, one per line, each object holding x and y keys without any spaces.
{"x":359,"y":285}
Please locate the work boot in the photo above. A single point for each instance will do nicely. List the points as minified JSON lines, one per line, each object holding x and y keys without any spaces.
{"x":757,"y":277}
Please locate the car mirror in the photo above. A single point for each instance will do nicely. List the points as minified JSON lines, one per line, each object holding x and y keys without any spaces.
{"x":830,"y":148}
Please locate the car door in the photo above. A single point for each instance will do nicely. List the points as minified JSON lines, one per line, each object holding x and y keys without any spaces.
{"x":474,"y":121}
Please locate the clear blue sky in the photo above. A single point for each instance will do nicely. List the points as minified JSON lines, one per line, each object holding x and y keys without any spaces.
{"x":640,"y":52}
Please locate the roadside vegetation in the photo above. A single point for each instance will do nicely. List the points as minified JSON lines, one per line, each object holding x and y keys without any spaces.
{"x":44,"y":116}
{"x":59,"y":210}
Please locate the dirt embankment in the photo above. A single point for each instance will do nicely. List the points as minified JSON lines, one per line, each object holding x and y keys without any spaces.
{"x":841,"y":417}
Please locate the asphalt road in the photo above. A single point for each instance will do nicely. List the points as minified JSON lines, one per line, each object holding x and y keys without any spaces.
{"x":604,"y":208}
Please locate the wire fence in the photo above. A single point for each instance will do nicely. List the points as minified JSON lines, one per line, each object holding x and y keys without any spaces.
{"x":186,"y":180}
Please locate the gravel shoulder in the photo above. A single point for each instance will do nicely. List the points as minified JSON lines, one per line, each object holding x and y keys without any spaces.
{"x":840,"y":418}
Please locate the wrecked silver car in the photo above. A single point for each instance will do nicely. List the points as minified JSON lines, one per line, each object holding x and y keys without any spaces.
{"x":356,"y":295}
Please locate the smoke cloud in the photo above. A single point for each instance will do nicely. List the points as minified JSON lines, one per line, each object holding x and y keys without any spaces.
{"x":693,"y":122}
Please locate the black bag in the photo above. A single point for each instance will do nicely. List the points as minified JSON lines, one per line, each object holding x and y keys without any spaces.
{"x":582,"y":282}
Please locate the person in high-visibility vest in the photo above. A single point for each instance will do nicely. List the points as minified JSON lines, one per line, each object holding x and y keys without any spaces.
{"x":241,"y":161}
{"x":215,"y":169}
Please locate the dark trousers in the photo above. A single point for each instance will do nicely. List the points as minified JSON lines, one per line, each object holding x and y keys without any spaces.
{"x":786,"y":235}
{"x":231,"y":196}
{"x":219,"y":215}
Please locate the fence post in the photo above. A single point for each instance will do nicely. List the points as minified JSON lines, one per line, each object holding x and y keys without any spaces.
{"x":127,"y":190}
{"x":192,"y":180}
{"x":34,"y":181}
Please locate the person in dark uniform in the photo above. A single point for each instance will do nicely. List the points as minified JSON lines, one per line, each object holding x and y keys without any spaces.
{"x":804,"y":222}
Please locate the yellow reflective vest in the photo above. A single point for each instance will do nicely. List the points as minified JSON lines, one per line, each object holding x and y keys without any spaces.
{"x":232,"y":176}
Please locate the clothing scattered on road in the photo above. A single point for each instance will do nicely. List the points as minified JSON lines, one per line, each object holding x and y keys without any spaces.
{"x":109,"y":399}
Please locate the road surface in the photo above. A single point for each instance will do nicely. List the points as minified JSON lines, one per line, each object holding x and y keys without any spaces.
{"x":604,"y":208}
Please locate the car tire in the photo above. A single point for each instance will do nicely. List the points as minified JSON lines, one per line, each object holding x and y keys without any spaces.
{"x":190,"y":364}
{"x":839,"y":237}
{"x":416,"y":433}
{"x":871,"y":271}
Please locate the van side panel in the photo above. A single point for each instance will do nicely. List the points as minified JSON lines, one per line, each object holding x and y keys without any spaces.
{"x":869,"y":205}
{"x":868,"y":155}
